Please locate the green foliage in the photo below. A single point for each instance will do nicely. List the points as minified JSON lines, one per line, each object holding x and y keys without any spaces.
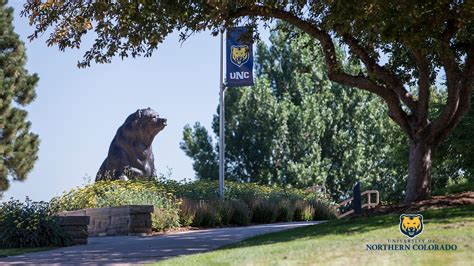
{"x":303,"y":211}
{"x":241,"y":213}
{"x":187,"y":212}
{"x":207,"y":214}
{"x":296,"y":128}
{"x":399,"y":43}
{"x":453,"y":161}
{"x":285,"y":211}
{"x":194,"y":203}
{"x":247,"y":202}
{"x":197,"y":144}
{"x":226,"y":212}
{"x":28,"y":225}
{"x":117,"y":193}
{"x":204,"y":189}
{"x":322,"y":210}
{"x":264,"y":211}
{"x":18,"y":146}
{"x":455,"y":187}
{"x":133,"y":29}
{"x":214,"y":212}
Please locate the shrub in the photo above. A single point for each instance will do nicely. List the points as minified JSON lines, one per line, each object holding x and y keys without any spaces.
{"x":248,"y":192}
{"x":187,"y":212}
{"x":241,"y":213}
{"x":323,"y":210}
{"x":251,"y":194}
{"x":207,"y":214}
{"x":29,"y":224}
{"x":226,"y":211}
{"x":285,"y":211}
{"x":465,"y":185}
{"x":196,"y":203}
{"x":118,"y":193}
{"x":264,"y":211}
{"x":303,"y":211}
{"x":164,"y":219}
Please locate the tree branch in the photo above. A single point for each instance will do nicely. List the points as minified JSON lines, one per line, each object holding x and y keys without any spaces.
{"x":335,"y":72}
{"x":323,"y":37}
{"x":464,"y":100}
{"x":453,"y":78}
{"x":374,"y":68}
{"x":423,"y":87}
{"x":395,"y":111}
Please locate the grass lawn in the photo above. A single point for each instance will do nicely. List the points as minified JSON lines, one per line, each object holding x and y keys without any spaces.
{"x":343,"y":242}
{"x":18,"y":251}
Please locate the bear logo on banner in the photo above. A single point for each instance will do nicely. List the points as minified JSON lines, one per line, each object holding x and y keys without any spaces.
{"x":239,"y":58}
{"x":239,"y":54}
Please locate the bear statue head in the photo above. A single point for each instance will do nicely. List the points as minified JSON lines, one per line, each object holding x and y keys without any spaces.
{"x":146,"y":123}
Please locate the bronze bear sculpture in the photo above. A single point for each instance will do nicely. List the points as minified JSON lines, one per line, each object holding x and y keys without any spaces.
{"x":130,"y":155}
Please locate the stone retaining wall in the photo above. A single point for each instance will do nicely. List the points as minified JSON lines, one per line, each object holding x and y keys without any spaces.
{"x":124,"y":220}
{"x":76,"y":227}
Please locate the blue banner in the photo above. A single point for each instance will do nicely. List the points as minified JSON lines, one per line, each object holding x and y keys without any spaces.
{"x":239,"y":59}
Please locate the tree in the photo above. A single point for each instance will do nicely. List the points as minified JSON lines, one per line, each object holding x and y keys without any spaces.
{"x":198,"y":145}
{"x":462,"y":142}
{"x":454,"y":157}
{"x":296,"y":128}
{"x":421,"y":40}
{"x":18,"y":146}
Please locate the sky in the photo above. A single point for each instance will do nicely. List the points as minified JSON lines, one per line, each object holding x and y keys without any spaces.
{"x":77,"y":111}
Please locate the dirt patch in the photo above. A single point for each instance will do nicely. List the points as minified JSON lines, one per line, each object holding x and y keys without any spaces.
{"x":436,"y":202}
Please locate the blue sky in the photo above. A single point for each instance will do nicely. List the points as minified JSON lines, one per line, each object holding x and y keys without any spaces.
{"x":77,"y":111}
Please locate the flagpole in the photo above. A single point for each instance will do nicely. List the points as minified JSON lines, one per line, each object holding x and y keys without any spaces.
{"x":221,"y":121}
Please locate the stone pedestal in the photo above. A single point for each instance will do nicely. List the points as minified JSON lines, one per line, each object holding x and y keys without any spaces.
{"x":76,"y":227}
{"x":128,"y":220}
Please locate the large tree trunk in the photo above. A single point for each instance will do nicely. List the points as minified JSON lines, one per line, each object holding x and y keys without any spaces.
{"x":419,"y":172}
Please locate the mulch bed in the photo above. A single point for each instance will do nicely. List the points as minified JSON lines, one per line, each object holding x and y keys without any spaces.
{"x":435,"y":202}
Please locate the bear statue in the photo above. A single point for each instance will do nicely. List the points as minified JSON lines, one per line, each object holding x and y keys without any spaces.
{"x":130,"y":155}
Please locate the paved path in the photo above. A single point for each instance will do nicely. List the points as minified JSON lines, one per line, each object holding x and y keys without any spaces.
{"x":138,"y":250}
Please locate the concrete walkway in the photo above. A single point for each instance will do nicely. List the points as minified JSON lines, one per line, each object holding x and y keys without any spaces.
{"x":138,"y":250}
